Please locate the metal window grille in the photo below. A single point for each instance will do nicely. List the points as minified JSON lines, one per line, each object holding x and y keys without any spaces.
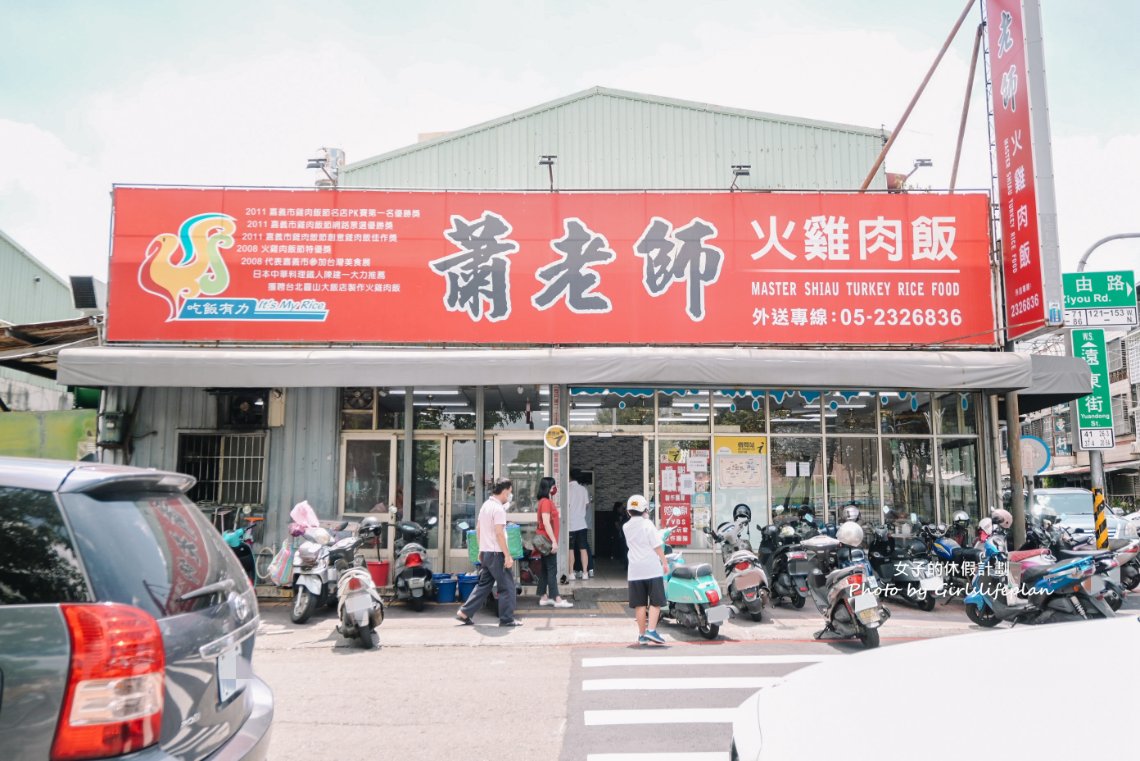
{"x":1115,"y":355}
{"x":230,"y":467}
{"x":1120,"y":422}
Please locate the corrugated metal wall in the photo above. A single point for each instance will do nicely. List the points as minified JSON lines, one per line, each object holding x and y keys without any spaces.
{"x":302,"y":455}
{"x":607,"y":141}
{"x":22,"y":298}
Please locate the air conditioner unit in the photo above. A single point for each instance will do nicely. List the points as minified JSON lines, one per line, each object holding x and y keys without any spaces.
{"x":88,"y":295}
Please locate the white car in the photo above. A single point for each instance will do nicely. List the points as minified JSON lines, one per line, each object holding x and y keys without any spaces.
{"x":994,"y":694}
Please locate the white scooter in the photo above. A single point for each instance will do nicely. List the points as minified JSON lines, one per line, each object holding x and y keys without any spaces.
{"x":360,"y":608}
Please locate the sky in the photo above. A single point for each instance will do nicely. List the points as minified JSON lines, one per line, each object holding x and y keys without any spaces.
{"x":242,"y":92}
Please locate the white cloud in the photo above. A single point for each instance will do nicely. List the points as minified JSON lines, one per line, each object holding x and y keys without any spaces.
{"x":253,"y":120}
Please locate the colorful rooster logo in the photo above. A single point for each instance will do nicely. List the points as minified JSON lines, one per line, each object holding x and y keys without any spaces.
{"x":190,"y":264}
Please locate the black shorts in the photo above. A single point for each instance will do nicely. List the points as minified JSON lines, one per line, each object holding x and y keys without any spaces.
{"x":580,"y":540}
{"x":645,"y":592}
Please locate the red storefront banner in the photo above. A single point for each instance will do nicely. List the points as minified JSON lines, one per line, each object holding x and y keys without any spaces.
{"x":676,"y":510}
{"x":1025,"y":302}
{"x":296,"y":266}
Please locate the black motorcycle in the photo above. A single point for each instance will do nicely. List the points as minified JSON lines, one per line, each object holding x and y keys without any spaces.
{"x":905,"y":568}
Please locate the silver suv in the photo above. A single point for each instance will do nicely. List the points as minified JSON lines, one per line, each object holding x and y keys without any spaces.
{"x":126,"y":623}
{"x":1075,"y":508}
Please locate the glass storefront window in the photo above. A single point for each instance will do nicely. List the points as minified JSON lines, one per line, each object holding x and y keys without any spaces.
{"x":958,"y":466}
{"x":852,"y":475}
{"x":368,"y":476}
{"x":908,"y":479}
{"x":444,"y":409}
{"x":465,"y":479}
{"x":426,"y":475}
{"x":524,"y":463}
{"x":958,"y":413}
{"x":849,"y":411}
{"x":516,"y":408}
{"x":740,"y":412}
{"x":683,"y":411}
{"x":691,"y":486}
{"x":796,"y":477}
{"x":794,"y":411}
{"x":905,"y":412}
{"x":364,"y":408}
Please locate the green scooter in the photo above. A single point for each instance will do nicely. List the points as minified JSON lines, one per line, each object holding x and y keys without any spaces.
{"x":693,"y":594}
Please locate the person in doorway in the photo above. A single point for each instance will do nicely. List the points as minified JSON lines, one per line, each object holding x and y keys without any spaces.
{"x":548,"y":528}
{"x":647,"y":568}
{"x":578,"y":503}
{"x":495,"y":562}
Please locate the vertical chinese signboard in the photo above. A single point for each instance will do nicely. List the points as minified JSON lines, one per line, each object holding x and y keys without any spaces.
{"x":1030,"y":256}
{"x":676,"y":509}
{"x":1094,"y":411}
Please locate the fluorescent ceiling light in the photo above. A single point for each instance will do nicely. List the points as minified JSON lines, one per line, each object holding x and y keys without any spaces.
{"x":586,"y":404}
{"x":439,"y":404}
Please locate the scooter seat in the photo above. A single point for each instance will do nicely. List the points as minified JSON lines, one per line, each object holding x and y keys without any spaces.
{"x":1021,"y":555}
{"x":692,"y":571}
{"x":960,"y":554}
{"x":1030,"y":576}
{"x":1086,"y":553}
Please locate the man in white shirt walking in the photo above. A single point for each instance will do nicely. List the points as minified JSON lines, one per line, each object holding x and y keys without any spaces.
{"x":647,"y":568}
{"x":495,"y":562}
{"x":578,"y":505}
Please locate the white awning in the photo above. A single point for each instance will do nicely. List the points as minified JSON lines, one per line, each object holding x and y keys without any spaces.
{"x":638,"y":365}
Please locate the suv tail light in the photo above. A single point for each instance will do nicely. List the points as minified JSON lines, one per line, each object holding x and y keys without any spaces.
{"x":114,"y":697}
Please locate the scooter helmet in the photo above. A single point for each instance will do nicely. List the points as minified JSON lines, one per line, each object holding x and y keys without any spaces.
{"x":850,"y":533}
{"x":1002,"y":518}
{"x":742,"y":512}
{"x":961,"y":518}
{"x":725,"y":527}
{"x":370,"y":526}
{"x":851,"y":513}
{"x":637,"y":504}
{"x":787,"y":531}
{"x":1047,"y":515}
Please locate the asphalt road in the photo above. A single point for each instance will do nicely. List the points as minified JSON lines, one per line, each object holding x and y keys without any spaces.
{"x":548,"y":690}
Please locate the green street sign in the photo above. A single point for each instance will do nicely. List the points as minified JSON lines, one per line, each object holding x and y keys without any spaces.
{"x":1099,"y":298}
{"x":1094,"y":411}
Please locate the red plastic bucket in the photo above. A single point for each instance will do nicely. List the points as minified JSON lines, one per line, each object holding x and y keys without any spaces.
{"x":379,"y":571}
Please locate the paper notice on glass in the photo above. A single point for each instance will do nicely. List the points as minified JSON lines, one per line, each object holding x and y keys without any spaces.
{"x":805,"y":469}
{"x":688,"y":483}
{"x":698,"y":464}
{"x":790,"y":469}
{"x":668,"y":479}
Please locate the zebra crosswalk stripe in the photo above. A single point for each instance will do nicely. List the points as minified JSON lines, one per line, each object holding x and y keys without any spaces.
{"x":659,"y":716}
{"x":680,"y":683}
{"x":705,"y":660}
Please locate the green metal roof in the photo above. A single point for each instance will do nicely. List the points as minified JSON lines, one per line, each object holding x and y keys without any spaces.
{"x":611,"y":139}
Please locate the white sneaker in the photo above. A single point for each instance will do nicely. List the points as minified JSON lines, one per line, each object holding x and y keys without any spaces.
{"x":547,"y":601}
{"x":591,"y":573}
{"x":577,"y":575}
{"x":563,"y":604}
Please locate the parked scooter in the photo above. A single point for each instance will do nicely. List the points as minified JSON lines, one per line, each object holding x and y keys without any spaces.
{"x":843,"y":588}
{"x":905,"y":569}
{"x":1043,"y":531}
{"x":692,"y":594}
{"x":360,"y":608}
{"x":413,"y":568}
{"x":1031,"y":589}
{"x":959,"y":564}
{"x":317,"y":565}
{"x":779,"y":546}
{"x":744,"y":574}
{"x":240,"y":540}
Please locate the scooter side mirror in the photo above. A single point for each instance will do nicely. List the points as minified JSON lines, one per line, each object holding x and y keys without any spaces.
{"x":432,"y":521}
